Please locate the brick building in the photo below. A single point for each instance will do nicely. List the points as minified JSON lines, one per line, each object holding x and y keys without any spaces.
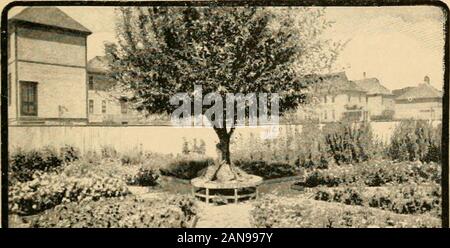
{"x":46,"y":67}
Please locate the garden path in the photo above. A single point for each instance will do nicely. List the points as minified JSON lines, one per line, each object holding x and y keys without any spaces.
{"x":230,"y":215}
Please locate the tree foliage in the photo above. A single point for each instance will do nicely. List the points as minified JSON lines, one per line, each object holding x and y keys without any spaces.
{"x":162,"y":51}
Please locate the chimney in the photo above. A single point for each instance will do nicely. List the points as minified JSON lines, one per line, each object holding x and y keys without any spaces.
{"x":364,"y":74}
{"x":426,"y":80}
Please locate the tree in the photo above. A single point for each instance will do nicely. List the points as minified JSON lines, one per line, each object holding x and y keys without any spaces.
{"x":162,"y":51}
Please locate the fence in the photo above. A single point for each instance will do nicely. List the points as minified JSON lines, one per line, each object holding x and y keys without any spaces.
{"x":161,"y":139}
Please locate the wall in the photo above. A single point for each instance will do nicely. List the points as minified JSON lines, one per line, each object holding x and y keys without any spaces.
{"x":375,"y":105}
{"x":419,"y":110}
{"x":161,"y":139}
{"x":50,"y":47}
{"x":57,"y":86}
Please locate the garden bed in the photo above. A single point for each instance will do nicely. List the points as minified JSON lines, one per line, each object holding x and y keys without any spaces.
{"x":297,"y":211}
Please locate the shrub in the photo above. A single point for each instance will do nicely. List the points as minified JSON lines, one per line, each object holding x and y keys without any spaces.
{"x":144,"y":177}
{"x":130,"y":212}
{"x":267,"y":170}
{"x":374,"y":173}
{"x":133,"y":157}
{"x":311,"y":149}
{"x":276,"y":211}
{"x":186,"y":167}
{"x":193,"y":147}
{"x":108,"y":152}
{"x":69,"y":153}
{"x":349,"y":142}
{"x":414,"y":140}
{"x":408,"y":199}
{"x":23,"y":164}
{"x":48,"y":190}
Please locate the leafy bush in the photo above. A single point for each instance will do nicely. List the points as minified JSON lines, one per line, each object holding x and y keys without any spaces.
{"x":69,"y":153}
{"x":133,"y":157}
{"x":408,"y":199}
{"x":175,"y":211}
{"x":414,"y":140}
{"x":374,"y":173}
{"x":48,"y":190}
{"x":108,"y":152}
{"x":186,"y":167}
{"x":193,"y":147}
{"x":144,"y":177}
{"x":267,"y":170}
{"x":348,"y":142}
{"x":305,"y":148}
{"x":23,"y":164}
{"x":411,"y":199}
{"x":276,"y":211}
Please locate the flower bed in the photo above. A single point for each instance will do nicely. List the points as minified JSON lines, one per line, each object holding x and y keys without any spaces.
{"x":375,"y":173}
{"x":277,"y":211}
{"x":47,"y":190}
{"x":407,"y":199}
{"x":174,"y":211}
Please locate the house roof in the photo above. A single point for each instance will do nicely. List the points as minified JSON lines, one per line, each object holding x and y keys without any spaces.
{"x":335,"y":82}
{"x":49,"y":16}
{"x":424,"y":90}
{"x":372,"y":86}
{"x":399,"y":92}
{"x":98,"y":64}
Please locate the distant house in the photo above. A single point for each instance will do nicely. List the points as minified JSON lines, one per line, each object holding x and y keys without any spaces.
{"x":339,"y":98}
{"x":422,"y":102}
{"x":103,"y":105}
{"x":380,"y":101}
{"x":46,"y":67}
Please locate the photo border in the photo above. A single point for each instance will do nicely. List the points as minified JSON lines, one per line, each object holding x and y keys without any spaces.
{"x":262,"y":3}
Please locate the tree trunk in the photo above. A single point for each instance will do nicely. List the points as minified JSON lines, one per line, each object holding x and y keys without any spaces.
{"x":223,"y":147}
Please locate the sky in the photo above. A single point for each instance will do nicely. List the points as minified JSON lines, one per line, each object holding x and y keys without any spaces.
{"x":398,"y":45}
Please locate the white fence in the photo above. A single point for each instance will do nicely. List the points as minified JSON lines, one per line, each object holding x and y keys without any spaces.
{"x":161,"y":139}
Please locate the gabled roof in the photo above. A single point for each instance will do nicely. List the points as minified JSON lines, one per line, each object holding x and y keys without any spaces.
{"x":372,"y":86}
{"x":399,"y":92}
{"x":49,"y":16}
{"x":424,"y":90}
{"x":334,"y":83}
{"x":98,"y":64}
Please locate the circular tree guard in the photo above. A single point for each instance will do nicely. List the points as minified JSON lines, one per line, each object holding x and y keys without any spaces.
{"x":235,"y":190}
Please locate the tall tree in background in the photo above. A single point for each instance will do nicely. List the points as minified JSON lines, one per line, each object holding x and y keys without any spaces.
{"x":163,"y":51}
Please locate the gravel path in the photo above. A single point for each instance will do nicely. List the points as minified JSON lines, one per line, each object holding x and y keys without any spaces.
{"x":230,"y":215}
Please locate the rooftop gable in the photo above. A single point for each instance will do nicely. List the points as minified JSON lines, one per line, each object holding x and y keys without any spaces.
{"x":422,"y":91}
{"x":98,"y":64}
{"x":49,"y":16}
{"x":372,"y":86}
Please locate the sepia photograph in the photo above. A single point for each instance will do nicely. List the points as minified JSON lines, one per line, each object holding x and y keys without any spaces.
{"x":214,"y":115}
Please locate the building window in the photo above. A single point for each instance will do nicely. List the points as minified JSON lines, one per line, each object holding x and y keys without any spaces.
{"x":349,"y":98}
{"x":91,"y":82}
{"x":333,"y":114}
{"x":9,"y":89}
{"x":103,"y":106}
{"x":359,"y":98}
{"x":28,"y":100}
{"x":333,"y":99}
{"x":325,"y":115}
{"x":91,"y":106}
{"x":367,"y":99}
{"x":123,"y":107}
{"x":325,"y":99}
